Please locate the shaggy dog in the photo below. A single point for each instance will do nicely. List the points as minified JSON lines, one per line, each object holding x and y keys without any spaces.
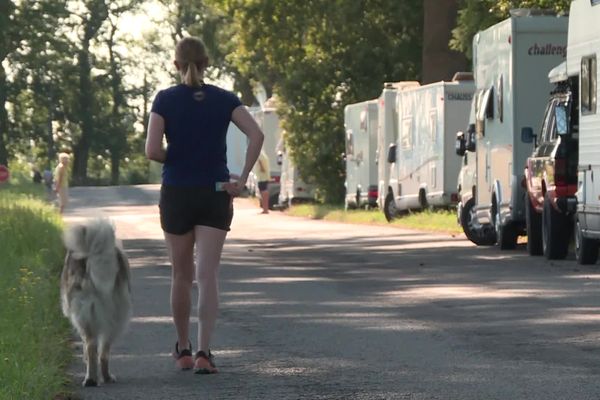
{"x":95,"y":292}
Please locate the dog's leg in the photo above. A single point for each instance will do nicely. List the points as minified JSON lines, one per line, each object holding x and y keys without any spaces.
{"x":91,"y":355}
{"x":104,"y":356}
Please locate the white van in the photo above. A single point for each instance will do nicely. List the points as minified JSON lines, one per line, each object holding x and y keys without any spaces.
{"x":387,"y":133}
{"x":360,"y":122}
{"x":293,"y":188}
{"x":236,"y":143}
{"x":423,"y":164}
{"x":511,"y":61}
{"x":582,"y":59}
{"x":268,"y":120}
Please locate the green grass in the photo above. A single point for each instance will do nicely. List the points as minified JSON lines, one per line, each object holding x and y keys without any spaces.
{"x":34,"y":336}
{"x":435,"y":221}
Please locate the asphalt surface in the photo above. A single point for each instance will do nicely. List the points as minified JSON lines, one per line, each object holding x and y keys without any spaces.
{"x":318,"y":310}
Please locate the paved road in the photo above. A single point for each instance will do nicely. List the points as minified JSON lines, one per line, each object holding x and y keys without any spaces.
{"x":318,"y":310}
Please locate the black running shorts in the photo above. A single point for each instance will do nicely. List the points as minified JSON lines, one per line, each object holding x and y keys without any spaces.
{"x":183,"y":207}
{"x":263,"y":185}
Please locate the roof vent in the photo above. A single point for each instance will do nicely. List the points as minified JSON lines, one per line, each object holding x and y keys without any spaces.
{"x":532,"y":12}
{"x":462,"y":76}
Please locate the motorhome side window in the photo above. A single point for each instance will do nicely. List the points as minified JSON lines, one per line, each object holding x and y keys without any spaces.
{"x":588,"y":85}
{"x":433,"y":126}
{"x":406,"y":138}
{"x":349,"y":142}
{"x":500,"y":98}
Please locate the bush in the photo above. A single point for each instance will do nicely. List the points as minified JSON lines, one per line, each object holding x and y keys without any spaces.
{"x":34,"y":336}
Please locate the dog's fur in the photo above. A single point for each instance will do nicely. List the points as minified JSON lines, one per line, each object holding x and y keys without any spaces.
{"x":95,"y":292}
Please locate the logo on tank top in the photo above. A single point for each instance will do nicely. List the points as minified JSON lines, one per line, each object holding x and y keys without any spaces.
{"x":199,"y":95}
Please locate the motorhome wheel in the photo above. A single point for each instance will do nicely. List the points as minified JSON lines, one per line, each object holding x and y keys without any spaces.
{"x":534,"y":230}
{"x":423,"y":199}
{"x":586,"y":250}
{"x":555,"y":235}
{"x":506,"y":235}
{"x":475,"y":233}
{"x":389,"y":208}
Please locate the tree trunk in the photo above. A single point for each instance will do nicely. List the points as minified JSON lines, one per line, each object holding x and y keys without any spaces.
{"x":3,"y":118}
{"x":439,"y":62}
{"x":81,"y":149}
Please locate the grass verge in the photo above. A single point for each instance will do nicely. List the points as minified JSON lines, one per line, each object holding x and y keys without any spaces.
{"x":434,"y":221}
{"x":34,"y":336}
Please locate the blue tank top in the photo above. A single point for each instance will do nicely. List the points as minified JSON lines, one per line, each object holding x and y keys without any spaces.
{"x":196,"y":122}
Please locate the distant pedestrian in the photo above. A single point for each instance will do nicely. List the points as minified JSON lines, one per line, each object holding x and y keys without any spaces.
{"x":61,"y":179}
{"x":37,"y":176}
{"x":263,"y":176}
{"x":48,"y":180}
{"x":196,"y":198}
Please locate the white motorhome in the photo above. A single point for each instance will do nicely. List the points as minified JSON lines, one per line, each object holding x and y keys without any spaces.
{"x":236,"y":143}
{"x":511,"y":61}
{"x":268,"y":120}
{"x":360,"y":122}
{"x":387,"y":133}
{"x":423,"y":164}
{"x":583,"y":53}
{"x":293,"y":188}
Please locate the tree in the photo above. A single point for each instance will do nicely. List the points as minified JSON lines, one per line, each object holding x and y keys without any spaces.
{"x":319,"y":56}
{"x":477,"y":15}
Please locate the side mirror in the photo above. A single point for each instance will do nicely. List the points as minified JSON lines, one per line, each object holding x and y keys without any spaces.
{"x":279,"y":158}
{"x":391,"y":156}
{"x":470,"y":138}
{"x":527,"y":135}
{"x":460,"y":143}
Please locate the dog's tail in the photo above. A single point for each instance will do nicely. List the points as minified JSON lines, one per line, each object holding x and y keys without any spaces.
{"x":95,"y":242}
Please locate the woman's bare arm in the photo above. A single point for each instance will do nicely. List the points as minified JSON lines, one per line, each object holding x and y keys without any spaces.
{"x":154,"y":139}
{"x":243,"y":120}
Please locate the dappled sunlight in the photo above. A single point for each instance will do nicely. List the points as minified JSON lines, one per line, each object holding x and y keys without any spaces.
{"x":282,"y":279}
{"x":445,"y":292}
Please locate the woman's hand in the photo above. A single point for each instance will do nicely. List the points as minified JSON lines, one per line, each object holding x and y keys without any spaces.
{"x":234,"y":188}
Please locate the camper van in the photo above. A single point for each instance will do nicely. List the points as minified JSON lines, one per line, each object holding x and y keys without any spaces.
{"x":268,"y":120}
{"x":293,"y":189}
{"x":423,"y":164}
{"x":582,"y":58}
{"x":360,"y":122}
{"x":236,"y":143}
{"x":465,"y":148}
{"x":387,"y":133}
{"x":511,"y":61}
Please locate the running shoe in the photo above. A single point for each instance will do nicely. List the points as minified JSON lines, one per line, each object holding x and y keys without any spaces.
{"x":205,"y":364}
{"x":183,"y":358}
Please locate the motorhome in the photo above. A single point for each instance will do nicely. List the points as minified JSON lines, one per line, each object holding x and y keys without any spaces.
{"x":465,"y":148}
{"x":236,"y":143}
{"x":360,"y":123}
{"x":511,"y":61}
{"x":582,"y":55}
{"x":387,"y":133}
{"x":268,"y":120}
{"x":293,"y":188}
{"x":423,"y":164}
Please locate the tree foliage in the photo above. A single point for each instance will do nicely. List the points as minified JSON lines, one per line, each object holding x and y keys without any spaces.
{"x":477,"y":15}
{"x":318,"y":56}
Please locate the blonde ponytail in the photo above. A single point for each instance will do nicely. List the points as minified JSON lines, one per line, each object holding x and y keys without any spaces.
{"x":190,"y":54}
{"x":192,"y":76}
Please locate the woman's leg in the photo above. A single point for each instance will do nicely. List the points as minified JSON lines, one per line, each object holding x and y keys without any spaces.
{"x":209,"y":245}
{"x":181,"y":254}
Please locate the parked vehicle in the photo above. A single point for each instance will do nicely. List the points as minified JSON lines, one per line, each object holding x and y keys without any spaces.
{"x":236,"y":143}
{"x":511,"y":61}
{"x":267,"y":118}
{"x":387,"y":133}
{"x":423,"y":166}
{"x":582,"y":57}
{"x":551,"y":173}
{"x":360,"y":122}
{"x":293,"y":188}
{"x":467,"y":178}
